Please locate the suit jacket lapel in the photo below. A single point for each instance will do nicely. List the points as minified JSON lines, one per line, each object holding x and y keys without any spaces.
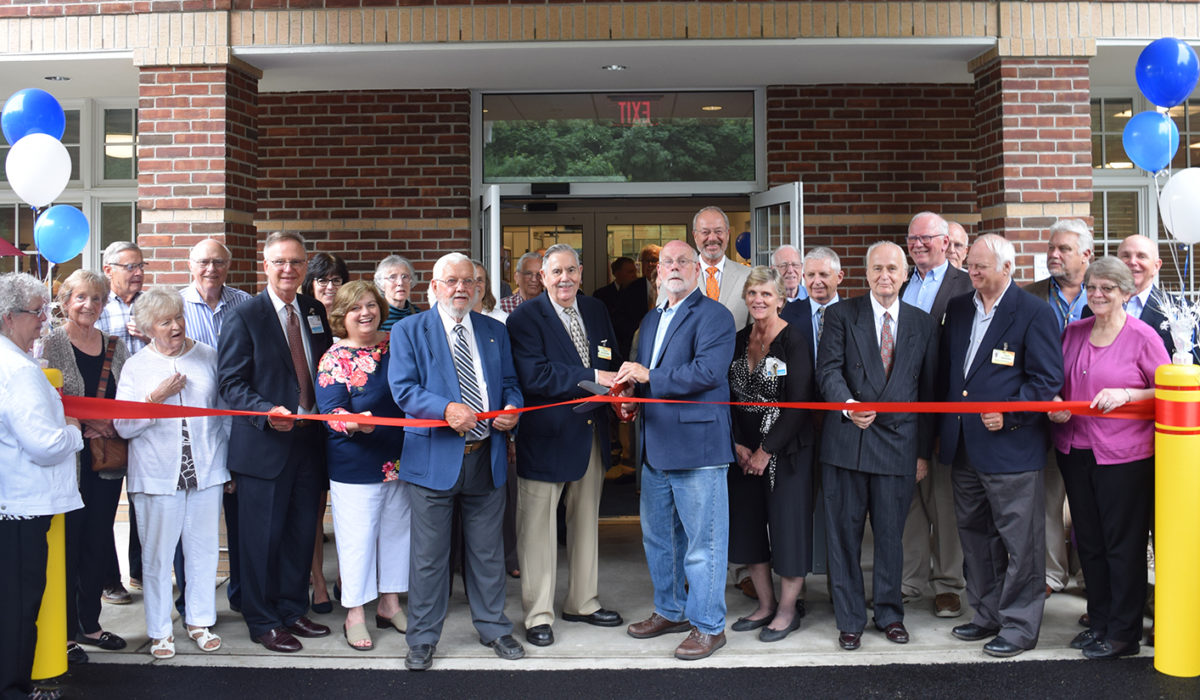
{"x":489,"y":360}
{"x":557,"y":332}
{"x":270,"y":321}
{"x":1005,"y":312}
{"x":906,"y":344}
{"x":685,"y":308}
{"x":868,"y":343}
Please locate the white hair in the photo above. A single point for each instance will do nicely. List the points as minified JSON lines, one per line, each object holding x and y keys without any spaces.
{"x":115,"y":249}
{"x":1076,"y":226}
{"x":1002,"y":248}
{"x":823,"y":253}
{"x":785,"y":246}
{"x":450,"y":259}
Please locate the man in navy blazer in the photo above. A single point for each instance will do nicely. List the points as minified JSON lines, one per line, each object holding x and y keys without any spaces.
{"x":559,"y":339}
{"x":684,"y":352}
{"x":999,"y":344}
{"x":874,"y":348}
{"x":452,"y":364}
{"x":278,"y":462}
{"x":822,"y":274}
{"x":1140,"y":255}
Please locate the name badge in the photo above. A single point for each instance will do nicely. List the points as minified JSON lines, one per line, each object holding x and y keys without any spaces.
{"x":314,"y":324}
{"x":775,"y":367}
{"x":1003,"y":357}
{"x":604,"y":352}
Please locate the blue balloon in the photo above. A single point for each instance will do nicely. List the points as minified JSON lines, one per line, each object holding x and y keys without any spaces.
{"x":1151,"y":140}
{"x":61,"y":233}
{"x":742,"y":244}
{"x":32,"y":111}
{"x":1167,"y":71}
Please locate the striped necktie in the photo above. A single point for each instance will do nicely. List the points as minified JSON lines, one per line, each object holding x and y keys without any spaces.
{"x":468,"y":385}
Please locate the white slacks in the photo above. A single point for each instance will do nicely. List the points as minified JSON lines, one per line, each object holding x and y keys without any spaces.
{"x":370,"y":525}
{"x":192,"y":516}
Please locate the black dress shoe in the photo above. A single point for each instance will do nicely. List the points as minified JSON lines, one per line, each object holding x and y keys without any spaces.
{"x":1002,"y":648}
{"x":767,"y":634}
{"x":75,"y":654}
{"x":894,"y":632}
{"x":420,"y":657}
{"x":279,"y":640}
{"x":600,"y":618}
{"x":506,"y":647}
{"x":540,"y":635}
{"x":745,"y":624}
{"x":850,"y":640}
{"x":106,"y":641}
{"x":972,"y":632}
{"x":1109,"y":649}
{"x":1084,"y":639}
{"x":304,"y":627}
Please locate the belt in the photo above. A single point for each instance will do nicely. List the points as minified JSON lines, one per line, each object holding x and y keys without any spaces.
{"x":475,"y":446}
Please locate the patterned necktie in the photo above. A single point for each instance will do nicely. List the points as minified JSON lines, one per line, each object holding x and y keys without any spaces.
{"x":577,"y":336}
{"x":468,"y":385}
{"x":299,"y":361}
{"x":820,"y":323}
{"x":887,"y":344}
{"x":711,"y":288}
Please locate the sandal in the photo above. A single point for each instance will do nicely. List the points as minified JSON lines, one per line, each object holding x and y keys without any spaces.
{"x":163,"y":648}
{"x":399,"y":621}
{"x":203,"y":638}
{"x":356,"y":635}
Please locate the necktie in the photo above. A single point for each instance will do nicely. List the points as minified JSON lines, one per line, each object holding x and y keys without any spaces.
{"x":711,"y":288}
{"x":820,"y":323}
{"x":468,"y":385}
{"x":299,"y":361}
{"x":577,"y":336}
{"x":887,"y":344}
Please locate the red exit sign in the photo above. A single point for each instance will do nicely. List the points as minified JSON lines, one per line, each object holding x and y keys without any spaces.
{"x":635,"y":113}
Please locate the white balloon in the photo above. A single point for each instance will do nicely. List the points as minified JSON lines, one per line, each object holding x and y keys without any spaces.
{"x":38,"y":168}
{"x":1179,"y":205}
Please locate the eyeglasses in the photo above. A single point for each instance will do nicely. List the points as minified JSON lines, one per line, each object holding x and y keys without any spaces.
{"x":129,"y":267}
{"x":397,"y":278}
{"x":528,"y":273}
{"x":710,"y":231}
{"x":211,"y":262}
{"x":789,"y":266}
{"x":453,"y":282}
{"x":328,"y":282}
{"x":682,"y":262}
{"x":1105,"y":289}
{"x":924,"y":240}
{"x":41,"y":312}
{"x":294,"y":264}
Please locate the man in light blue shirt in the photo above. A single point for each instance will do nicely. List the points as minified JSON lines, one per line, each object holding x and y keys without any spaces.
{"x":928,"y":242}
{"x":788,"y":262}
{"x":207,"y":300}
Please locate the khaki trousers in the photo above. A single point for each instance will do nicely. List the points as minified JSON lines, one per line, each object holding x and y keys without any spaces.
{"x":537,"y":542}
{"x":932,"y":552}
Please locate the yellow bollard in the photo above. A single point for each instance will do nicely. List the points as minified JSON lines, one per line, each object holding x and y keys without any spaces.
{"x":50,"y":657}
{"x":1177,"y":520}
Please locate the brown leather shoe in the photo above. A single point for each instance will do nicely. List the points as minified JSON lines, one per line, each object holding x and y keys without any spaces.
{"x":947,"y":605}
{"x":699,"y":645}
{"x":304,"y":627}
{"x":895,"y":632}
{"x":657,"y":625}
{"x":279,"y":640}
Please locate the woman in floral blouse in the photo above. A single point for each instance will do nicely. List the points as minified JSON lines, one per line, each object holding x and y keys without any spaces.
{"x":370,"y":509}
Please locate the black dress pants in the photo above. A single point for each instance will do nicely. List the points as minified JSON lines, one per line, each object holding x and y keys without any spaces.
{"x":22,"y":582}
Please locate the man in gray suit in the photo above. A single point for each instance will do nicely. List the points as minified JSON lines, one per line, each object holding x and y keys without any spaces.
{"x":932,"y":553}
{"x":873,"y":348}
{"x":721,"y":279}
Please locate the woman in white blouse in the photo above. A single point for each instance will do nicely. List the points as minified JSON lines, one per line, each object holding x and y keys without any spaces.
{"x":176,"y":469}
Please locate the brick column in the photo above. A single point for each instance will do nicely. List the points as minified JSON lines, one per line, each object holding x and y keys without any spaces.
{"x":197,"y":162}
{"x":1033,"y":121}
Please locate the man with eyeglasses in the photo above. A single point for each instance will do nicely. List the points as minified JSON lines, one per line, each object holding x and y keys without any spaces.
{"x":786,"y":259}
{"x":1068,"y":254}
{"x":452,"y":364}
{"x":721,"y":279}
{"x":684,"y":353}
{"x":957,"y":252}
{"x":529,"y":282}
{"x":267,"y":353}
{"x":125,"y":270}
{"x":932,"y":552}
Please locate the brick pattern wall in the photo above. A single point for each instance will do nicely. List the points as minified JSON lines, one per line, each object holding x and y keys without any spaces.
{"x":870,"y":157}
{"x":197,"y":159}
{"x":1035,"y":163}
{"x":368,"y":174}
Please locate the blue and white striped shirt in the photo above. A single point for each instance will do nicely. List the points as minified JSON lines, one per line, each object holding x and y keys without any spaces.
{"x":203,"y":322}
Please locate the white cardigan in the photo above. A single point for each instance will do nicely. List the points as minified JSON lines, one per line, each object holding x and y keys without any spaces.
{"x":156,"y":445}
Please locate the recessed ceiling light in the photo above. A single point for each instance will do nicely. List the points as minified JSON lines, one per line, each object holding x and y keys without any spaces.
{"x":1120,"y":165}
{"x":57,"y":78}
{"x":614,"y":66}
{"x":712,"y":108}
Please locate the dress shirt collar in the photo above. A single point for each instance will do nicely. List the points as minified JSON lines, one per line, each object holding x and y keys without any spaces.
{"x":879,"y":309}
{"x":448,"y":322}
{"x":936,"y":274}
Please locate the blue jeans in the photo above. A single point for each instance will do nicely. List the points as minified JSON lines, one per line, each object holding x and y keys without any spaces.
{"x":685,"y":531}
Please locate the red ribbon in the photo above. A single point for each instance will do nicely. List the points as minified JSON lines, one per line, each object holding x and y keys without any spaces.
{"x":90,"y":408}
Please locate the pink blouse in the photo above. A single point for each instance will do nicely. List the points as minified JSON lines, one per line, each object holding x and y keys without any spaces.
{"x":1129,"y":362}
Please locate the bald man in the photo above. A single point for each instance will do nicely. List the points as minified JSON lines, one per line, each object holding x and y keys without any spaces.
{"x":957,"y":252}
{"x":1140,"y":255}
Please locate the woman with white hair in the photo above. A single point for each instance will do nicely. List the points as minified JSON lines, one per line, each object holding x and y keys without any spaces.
{"x":177,"y":469}
{"x":395,"y":276}
{"x":37,"y":481}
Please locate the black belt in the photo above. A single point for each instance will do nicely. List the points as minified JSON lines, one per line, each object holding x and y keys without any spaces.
{"x":474,"y":446}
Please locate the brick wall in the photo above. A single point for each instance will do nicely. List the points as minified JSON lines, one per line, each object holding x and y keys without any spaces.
{"x":870,"y":157}
{"x":368,"y":174}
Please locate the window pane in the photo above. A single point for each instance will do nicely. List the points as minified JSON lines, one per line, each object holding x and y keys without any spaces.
{"x":116,"y":222}
{"x":119,"y":144}
{"x":70,"y":139}
{"x":610,"y":137}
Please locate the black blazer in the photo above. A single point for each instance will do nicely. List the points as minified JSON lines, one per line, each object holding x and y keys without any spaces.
{"x":956,"y":283}
{"x":850,"y":368}
{"x":799,"y":314}
{"x":555,"y":444}
{"x":254,"y":367}
{"x":794,"y":427}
